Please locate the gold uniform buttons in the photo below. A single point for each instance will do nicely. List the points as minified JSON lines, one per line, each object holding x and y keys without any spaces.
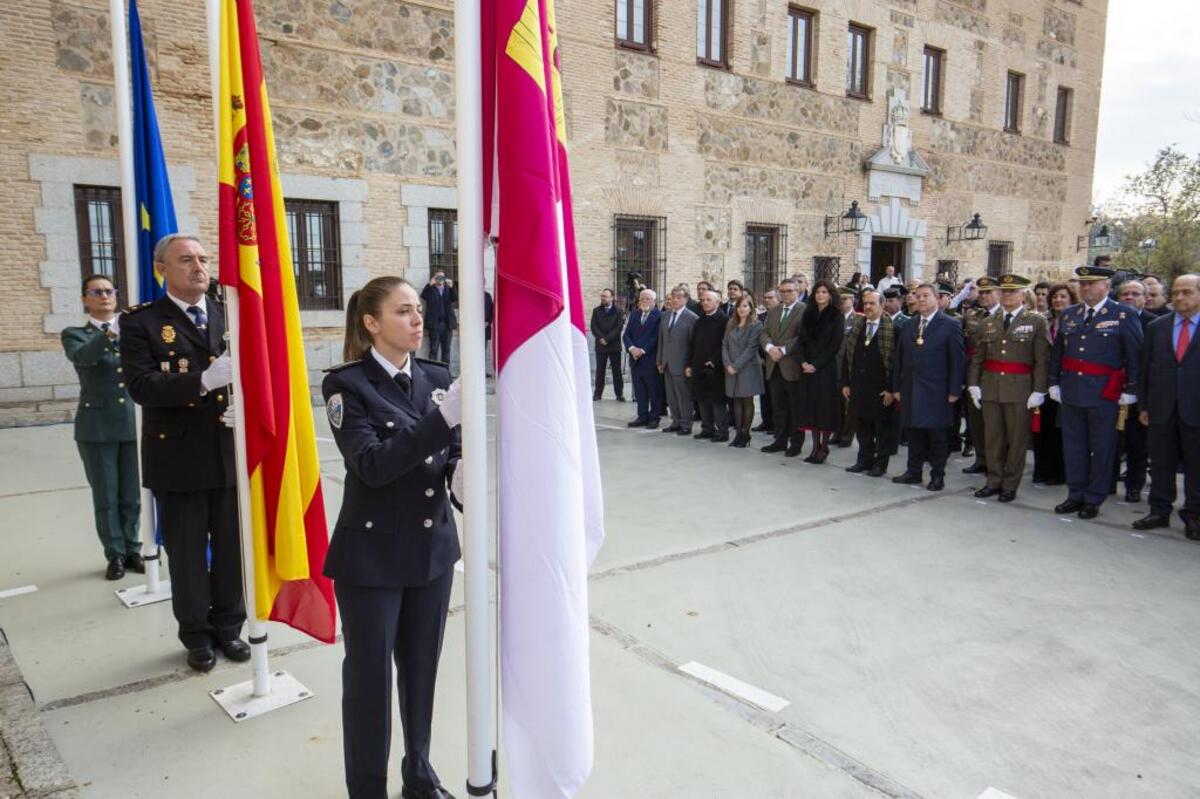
{"x":429,"y":459}
{"x":429,"y":492}
{"x":428,"y":523}
{"x":162,"y":435}
{"x":369,"y":525}
{"x":120,"y":385}
{"x":390,"y":423}
{"x":212,"y":358}
{"x":220,"y":398}
{"x":118,"y":368}
{"x":121,"y":400}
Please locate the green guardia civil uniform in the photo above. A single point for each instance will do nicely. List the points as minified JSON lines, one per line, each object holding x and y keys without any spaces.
{"x":106,"y":437}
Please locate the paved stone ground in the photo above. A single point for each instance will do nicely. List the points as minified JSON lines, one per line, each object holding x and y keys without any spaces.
{"x":928,"y":645}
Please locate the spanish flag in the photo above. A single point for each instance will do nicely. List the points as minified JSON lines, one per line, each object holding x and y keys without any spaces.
{"x":288,"y":513}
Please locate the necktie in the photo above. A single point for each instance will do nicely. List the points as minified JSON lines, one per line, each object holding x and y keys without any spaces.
{"x":198,"y":316}
{"x":783,"y":316}
{"x":644,"y":315}
{"x":870,"y":332}
{"x":106,"y":326}
{"x":1087,"y":319}
{"x":921,"y":329}
{"x":1007,"y":321}
{"x":405,"y":383}
{"x":1181,"y":346}
{"x":673,"y":315}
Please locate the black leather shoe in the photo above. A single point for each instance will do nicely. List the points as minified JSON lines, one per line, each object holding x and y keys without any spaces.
{"x":595,"y":398}
{"x":671,"y":428}
{"x":637,"y":423}
{"x":1133,"y":495}
{"x":437,"y":792}
{"x":1152,"y":521}
{"x":1070,"y":506}
{"x":1192,"y":527}
{"x":721,"y":439}
{"x":202,"y":658}
{"x":877,"y":471}
{"x":683,"y":431}
{"x":908,"y":478}
{"x":1087,"y":511}
{"x":774,"y":446}
{"x":652,"y":424}
{"x":936,"y":484}
{"x":703,"y":434}
{"x":135,"y":563}
{"x":620,"y":398}
{"x":235,"y":650}
{"x":1007,"y":496}
{"x":792,"y":452}
{"x":845,"y":442}
{"x":968,"y":450}
{"x":857,"y":468}
{"x":987,"y":491}
{"x":115,"y":570}
{"x":762,"y":428}
{"x":975,"y":468}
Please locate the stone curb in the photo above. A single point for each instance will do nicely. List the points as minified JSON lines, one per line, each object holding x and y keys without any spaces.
{"x":30,"y":765}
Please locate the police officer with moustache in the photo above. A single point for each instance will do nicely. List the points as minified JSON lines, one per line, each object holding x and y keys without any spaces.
{"x":973,"y":320}
{"x":1094,"y":370}
{"x":395,"y":419}
{"x":174,"y":360}
{"x":1006,"y":380}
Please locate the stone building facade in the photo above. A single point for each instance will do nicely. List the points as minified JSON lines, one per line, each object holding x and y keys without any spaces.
{"x":681,"y":169}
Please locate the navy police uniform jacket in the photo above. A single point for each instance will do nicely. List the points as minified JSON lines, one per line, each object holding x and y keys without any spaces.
{"x":395,"y":528}
{"x":1113,"y":340}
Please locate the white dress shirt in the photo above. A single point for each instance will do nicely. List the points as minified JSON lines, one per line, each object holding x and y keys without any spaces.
{"x":391,"y":368}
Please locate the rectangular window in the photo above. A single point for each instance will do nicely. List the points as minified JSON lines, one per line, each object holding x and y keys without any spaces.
{"x":766,"y":257}
{"x":443,"y":242}
{"x":1062,"y":115}
{"x":947,"y":270}
{"x":931,"y":81}
{"x":827,"y":267}
{"x":999,"y":258}
{"x":799,"y":46}
{"x":633,"y":23}
{"x":316,"y":253}
{"x":1013,"y":97}
{"x":101,"y":234}
{"x":712,"y":32}
{"x":858,"y":62}
{"x":639,"y":256}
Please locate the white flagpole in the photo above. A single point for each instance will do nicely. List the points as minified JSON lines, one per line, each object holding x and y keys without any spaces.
{"x":155,"y":590}
{"x":481,"y":776}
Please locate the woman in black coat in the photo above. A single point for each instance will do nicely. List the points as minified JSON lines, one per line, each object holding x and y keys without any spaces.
{"x":817,"y":351}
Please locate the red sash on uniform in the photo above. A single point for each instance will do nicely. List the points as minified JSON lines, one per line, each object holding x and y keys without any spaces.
{"x":1116,"y":377}
{"x":1007,"y":367}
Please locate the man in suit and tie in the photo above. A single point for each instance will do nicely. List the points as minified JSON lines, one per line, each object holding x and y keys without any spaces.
{"x":607,"y":321}
{"x":674,"y":343}
{"x":174,"y":361}
{"x":780,"y":331}
{"x":928,"y":376}
{"x":867,"y":385}
{"x":641,"y":342}
{"x":706,"y":370}
{"x":439,"y":300}
{"x":1170,"y":391}
{"x":1133,"y":440}
{"x":1093,"y":371}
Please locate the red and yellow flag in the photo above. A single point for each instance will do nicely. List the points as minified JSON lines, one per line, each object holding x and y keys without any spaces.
{"x":287,"y":509}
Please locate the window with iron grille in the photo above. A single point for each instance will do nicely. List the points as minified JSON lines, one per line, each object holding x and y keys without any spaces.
{"x":931,"y":81}
{"x":999,"y":258}
{"x":712,"y":32}
{"x":766,"y":257}
{"x":949,"y":268}
{"x":1013,"y":97}
{"x":634,"y":23}
{"x":1062,"y":115}
{"x":858,"y":62}
{"x":443,"y":242}
{"x":827,"y":267}
{"x":799,"y":46}
{"x":316,"y":253}
{"x":639,"y":256}
{"x":101,"y":234}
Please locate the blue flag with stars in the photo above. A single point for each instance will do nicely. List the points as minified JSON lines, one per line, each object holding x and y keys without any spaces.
{"x":155,"y":209}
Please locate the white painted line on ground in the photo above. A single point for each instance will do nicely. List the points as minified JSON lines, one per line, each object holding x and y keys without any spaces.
{"x":25,"y":589}
{"x":981,"y":502}
{"x":992,"y":793}
{"x":735,"y":687}
{"x":608,"y":427}
{"x":1137,"y":535}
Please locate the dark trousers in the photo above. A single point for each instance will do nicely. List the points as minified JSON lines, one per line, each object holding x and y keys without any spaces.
{"x":112,"y":473}
{"x":714,"y":416}
{"x":786,"y":398}
{"x":1132,"y":444}
{"x":976,"y":431}
{"x":646,"y":390}
{"x":1048,"y":447}
{"x":381,"y":626}
{"x":874,"y":435}
{"x":930,"y":444}
{"x":207,"y":600}
{"x":439,"y":344}
{"x":1174,"y":443}
{"x":604,"y":359}
{"x":764,"y":406}
{"x":1089,"y":448}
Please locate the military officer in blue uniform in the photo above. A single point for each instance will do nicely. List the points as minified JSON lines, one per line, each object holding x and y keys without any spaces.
{"x":395,"y":419}
{"x":1093,"y":371}
{"x":104,"y":427}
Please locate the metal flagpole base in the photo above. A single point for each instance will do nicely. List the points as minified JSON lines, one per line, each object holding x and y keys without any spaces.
{"x":491,"y":789}
{"x":240,"y":703}
{"x":141,"y":595}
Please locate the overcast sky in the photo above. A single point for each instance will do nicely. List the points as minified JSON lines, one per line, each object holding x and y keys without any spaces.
{"x":1150,"y":96}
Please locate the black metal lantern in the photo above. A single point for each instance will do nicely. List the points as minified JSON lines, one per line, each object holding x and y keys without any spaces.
{"x":1101,"y":239}
{"x":853,"y":221}
{"x":974,"y":230}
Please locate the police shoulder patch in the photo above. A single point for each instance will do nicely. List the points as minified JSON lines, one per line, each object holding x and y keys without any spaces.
{"x":335,"y":410}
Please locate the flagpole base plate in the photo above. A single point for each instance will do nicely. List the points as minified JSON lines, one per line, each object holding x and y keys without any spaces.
{"x":240,"y":704}
{"x":140,"y":596}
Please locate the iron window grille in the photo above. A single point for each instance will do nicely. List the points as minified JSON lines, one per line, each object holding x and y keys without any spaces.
{"x":949,"y":268}
{"x":443,"y":242}
{"x":766,"y":257}
{"x":100,"y":230}
{"x":827,"y":267}
{"x":639,"y":251}
{"x":999,"y":258}
{"x":316,"y":253}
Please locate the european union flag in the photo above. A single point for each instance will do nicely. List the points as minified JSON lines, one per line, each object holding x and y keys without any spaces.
{"x":156,"y":210}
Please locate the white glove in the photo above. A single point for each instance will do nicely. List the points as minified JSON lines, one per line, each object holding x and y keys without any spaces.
{"x":976,"y":395}
{"x":1035,"y":400}
{"x":456,"y":483}
{"x":1128,"y":399}
{"x":1055,"y":393}
{"x":228,"y":419}
{"x":451,"y":406}
{"x":218,"y":374}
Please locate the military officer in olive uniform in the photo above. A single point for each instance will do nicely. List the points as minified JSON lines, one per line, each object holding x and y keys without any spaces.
{"x":1006,"y":380}
{"x":1094,"y":369}
{"x":104,"y":427}
{"x":173,"y":354}
{"x":395,"y":419}
{"x":973,"y":320}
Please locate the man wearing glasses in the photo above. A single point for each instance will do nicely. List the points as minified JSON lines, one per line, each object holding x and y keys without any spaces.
{"x":104,"y":427}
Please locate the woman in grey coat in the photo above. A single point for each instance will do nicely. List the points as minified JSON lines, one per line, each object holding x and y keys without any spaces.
{"x":743,"y":365}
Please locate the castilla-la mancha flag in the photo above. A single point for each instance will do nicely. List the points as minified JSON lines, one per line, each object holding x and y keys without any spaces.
{"x":288,"y":513}
{"x":551,"y":509}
